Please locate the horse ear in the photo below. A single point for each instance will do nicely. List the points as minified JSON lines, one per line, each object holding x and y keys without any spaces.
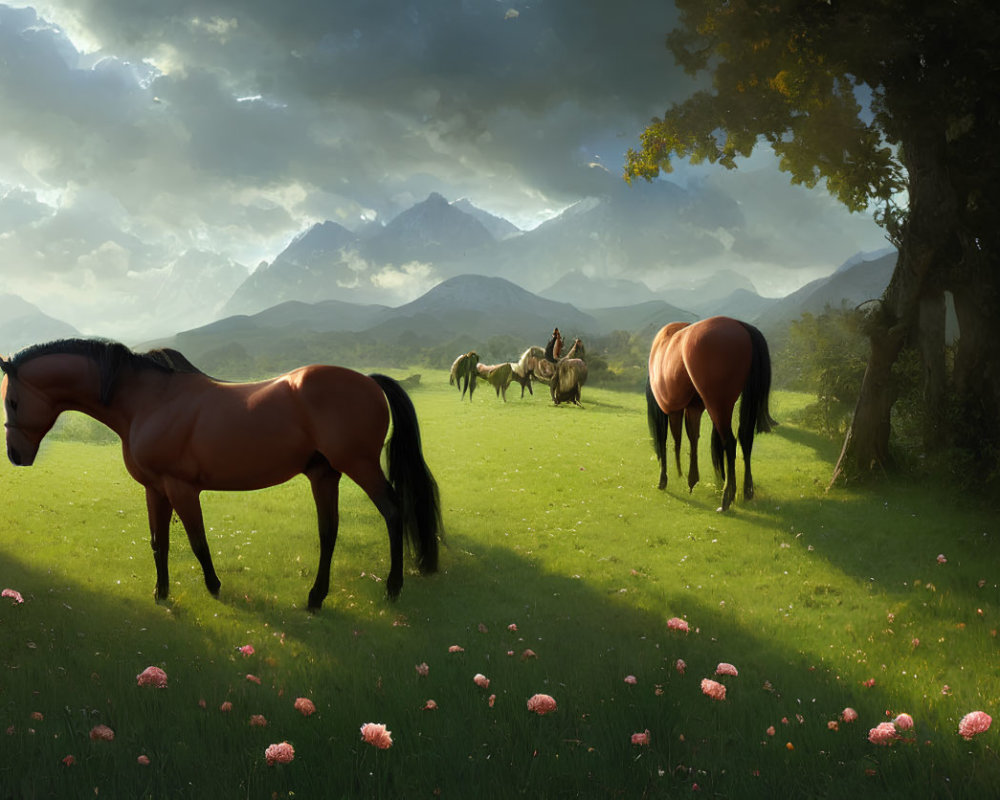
{"x":4,"y":363}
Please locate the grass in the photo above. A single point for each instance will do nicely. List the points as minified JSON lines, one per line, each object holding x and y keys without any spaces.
{"x":821,"y":600}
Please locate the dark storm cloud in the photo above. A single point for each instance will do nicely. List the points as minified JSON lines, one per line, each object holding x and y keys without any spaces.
{"x":443,"y":80}
{"x":134,"y":132}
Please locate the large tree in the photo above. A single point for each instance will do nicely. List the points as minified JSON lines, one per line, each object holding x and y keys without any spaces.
{"x":895,"y":105}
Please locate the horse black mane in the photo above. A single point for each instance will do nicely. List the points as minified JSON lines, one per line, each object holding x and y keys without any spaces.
{"x":110,"y":356}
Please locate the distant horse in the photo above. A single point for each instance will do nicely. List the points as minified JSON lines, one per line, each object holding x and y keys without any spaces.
{"x":521,"y":376}
{"x":183,"y":433}
{"x":708,"y":365}
{"x":464,"y":370}
{"x":528,"y":365}
{"x":564,"y":384}
{"x":498,"y":376}
{"x":570,"y":376}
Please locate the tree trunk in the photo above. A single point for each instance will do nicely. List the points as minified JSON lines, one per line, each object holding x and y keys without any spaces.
{"x":931,"y":342}
{"x":866,"y":446}
{"x":927,"y":243}
{"x":977,"y":359}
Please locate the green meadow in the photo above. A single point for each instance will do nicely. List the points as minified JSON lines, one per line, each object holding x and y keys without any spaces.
{"x":561,"y":566}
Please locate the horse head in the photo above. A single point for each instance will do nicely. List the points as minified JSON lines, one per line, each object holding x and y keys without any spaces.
{"x":29,"y":416}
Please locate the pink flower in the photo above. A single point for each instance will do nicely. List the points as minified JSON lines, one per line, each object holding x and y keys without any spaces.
{"x":102,"y":733}
{"x":375,"y":734}
{"x":915,"y":642}
{"x":226,"y":706}
{"x":726,"y":669}
{"x":973,"y":723}
{"x":849,"y":714}
{"x":143,"y":760}
{"x":541,"y":704}
{"x":833,"y":725}
{"x":680,"y":665}
{"x":253,"y":679}
{"x":456,"y":649}
{"x":868,"y":684}
{"x":281,"y":753}
{"x":38,"y":716}
{"x":713,"y":689}
{"x":304,"y":706}
{"x":422,"y":669}
{"x":512,"y":627}
{"x":247,"y":650}
{"x":528,"y":653}
{"x":903,"y":722}
{"x":492,"y":701}
{"x":770,"y":731}
{"x":69,"y":761}
{"x":677,"y":624}
{"x":13,"y":594}
{"x":481,"y":680}
{"x":258,"y":721}
{"x":631,"y":680}
{"x":641,"y":738}
{"x":883,"y":733}
{"x":946,"y":689}
{"x":941,"y":559}
{"x":152,"y":676}
{"x":430,"y":705}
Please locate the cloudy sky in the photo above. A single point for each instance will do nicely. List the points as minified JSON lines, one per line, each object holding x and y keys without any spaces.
{"x":134,"y":133}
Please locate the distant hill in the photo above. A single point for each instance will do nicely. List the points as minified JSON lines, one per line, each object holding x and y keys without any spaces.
{"x":653,"y":314}
{"x":576,"y":288}
{"x":477,"y":305}
{"x":498,"y":227}
{"x":23,"y":324}
{"x":431,"y":231}
{"x":848,"y":288}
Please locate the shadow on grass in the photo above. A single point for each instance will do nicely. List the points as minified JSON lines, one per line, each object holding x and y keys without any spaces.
{"x":73,"y":654}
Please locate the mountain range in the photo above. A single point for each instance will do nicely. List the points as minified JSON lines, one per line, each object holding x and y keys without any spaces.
{"x":462,"y":272}
{"x":470,"y":310}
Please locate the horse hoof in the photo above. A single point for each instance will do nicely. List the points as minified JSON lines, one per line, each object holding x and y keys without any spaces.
{"x":662,"y":485}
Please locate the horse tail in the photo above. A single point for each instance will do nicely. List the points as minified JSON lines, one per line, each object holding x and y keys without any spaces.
{"x":754,"y":412}
{"x":410,"y":477}
{"x":658,"y":425}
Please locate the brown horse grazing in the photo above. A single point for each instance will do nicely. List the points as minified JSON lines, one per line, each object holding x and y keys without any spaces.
{"x":463,"y":369}
{"x":707,"y":365}
{"x":183,"y":433}
{"x":498,"y":376}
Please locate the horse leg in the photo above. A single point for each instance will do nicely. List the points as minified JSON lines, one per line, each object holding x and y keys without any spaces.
{"x":325,"y":482}
{"x":692,"y":424}
{"x":729,"y":488}
{"x":159,"y":511}
{"x":185,"y":501}
{"x":746,"y":445}
{"x":676,"y":421}
{"x":371,"y":479}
